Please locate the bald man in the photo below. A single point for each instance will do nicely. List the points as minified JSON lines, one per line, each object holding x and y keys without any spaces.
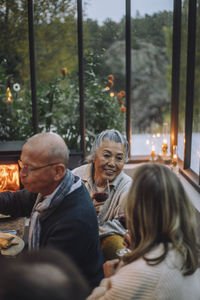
{"x":61,"y":212}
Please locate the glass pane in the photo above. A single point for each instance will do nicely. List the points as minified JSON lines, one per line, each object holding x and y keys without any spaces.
{"x":152,"y":24}
{"x":15,"y":98}
{"x":104,"y":66}
{"x":57,"y":68}
{"x":195,"y":155}
{"x":183,"y":69}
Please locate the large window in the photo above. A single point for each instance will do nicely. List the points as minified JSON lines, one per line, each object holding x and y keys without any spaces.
{"x":83,"y":83}
{"x":15,"y":95}
{"x":104,"y":66}
{"x":56,"y":54}
{"x":151,"y":51}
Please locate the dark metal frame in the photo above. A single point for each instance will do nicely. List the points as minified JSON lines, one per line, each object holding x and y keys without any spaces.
{"x":81,"y":85}
{"x":128,"y":72}
{"x":175,"y":74}
{"x":175,"y":82}
{"x":190,"y":81}
{"x":32,"y":65}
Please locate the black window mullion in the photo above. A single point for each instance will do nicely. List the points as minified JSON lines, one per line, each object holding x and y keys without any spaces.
{"x":175,"y":72}
{"x":81,"y":86}
{"x":32,"y":65}
{"x":190,"y":82}
{"x":128,"y":72}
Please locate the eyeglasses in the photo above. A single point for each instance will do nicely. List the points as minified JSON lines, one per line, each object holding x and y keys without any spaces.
{"x":28,"y":169}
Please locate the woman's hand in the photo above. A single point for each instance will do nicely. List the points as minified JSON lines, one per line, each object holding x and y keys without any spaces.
{"x":110,"y":266}
{"x":127,"y":240}
{"x":98,"y":205}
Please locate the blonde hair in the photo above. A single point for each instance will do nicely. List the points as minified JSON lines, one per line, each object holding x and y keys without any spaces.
{"x":159,"y":211}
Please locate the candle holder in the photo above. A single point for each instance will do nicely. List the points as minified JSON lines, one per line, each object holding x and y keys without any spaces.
{"x":174,"y":156}
{"x":164,"y":147}
{"x":165,"y":143}
{"x":153,"y":153}
{"x":175,"y":160}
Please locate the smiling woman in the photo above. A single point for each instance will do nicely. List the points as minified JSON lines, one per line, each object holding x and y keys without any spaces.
{"x":103,"y":174}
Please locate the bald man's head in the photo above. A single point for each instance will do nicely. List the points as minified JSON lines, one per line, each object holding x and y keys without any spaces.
{"x":50,"y":145}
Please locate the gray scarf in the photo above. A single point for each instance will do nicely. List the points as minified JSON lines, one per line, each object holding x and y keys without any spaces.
{"x":45,"y":206}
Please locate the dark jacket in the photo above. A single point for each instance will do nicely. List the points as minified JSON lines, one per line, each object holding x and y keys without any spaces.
{"x":71,"y":227}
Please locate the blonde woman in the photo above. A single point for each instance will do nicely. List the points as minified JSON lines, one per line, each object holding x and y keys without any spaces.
{"x":165,"y":256}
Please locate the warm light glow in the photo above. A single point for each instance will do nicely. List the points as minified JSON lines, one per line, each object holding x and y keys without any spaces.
{"x":9,"y":99}
{"x":174,"y":156}
{"x":107,"y":88}
{"x":164,"y":141}
{"x":158,"y":134}
{"x":153,"y":152}
{"x":9,"y":177}
{"x":164,"y":146}
{"x":112,"y":94}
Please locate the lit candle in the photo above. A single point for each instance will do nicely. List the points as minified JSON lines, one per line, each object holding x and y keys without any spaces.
{"x":174,"y":160}
{"x":174,"y":156}
{"x":164,"y":146}
{"x":153,"y":153}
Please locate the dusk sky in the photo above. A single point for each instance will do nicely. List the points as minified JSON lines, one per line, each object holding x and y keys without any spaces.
{"x":115,"y":9}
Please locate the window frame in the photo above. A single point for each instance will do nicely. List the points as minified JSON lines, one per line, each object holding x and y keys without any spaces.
{"x":177,"y":5}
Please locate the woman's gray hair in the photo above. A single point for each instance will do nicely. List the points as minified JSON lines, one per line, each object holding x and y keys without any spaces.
{"x":110,"y":135}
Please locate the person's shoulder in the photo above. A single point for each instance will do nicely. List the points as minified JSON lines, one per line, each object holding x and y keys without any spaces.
{"x":78,"y":197}
{"x":126,"y":177}
{"x":82,"y":170}
{"x":123,"y":180}
{"x":138,"y":274}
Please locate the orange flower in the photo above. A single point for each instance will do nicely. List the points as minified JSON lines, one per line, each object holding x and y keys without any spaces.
{"x":122,"y":101}
{"x":111,"y":77}
{"x":110,"y":83}
{"x":121,"y":94}
{"x":64,"y":71}
{"x":123,"y":109}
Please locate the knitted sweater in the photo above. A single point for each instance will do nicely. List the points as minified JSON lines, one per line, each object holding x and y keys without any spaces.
{"x":138,"y":280}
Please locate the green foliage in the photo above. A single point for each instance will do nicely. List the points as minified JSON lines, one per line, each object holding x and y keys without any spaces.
{"x":56,"y":47}
{"x":102,"y":109}
{"x":59,"y":106}
{"x":55,"y":37}
{"x":15,"y":110}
